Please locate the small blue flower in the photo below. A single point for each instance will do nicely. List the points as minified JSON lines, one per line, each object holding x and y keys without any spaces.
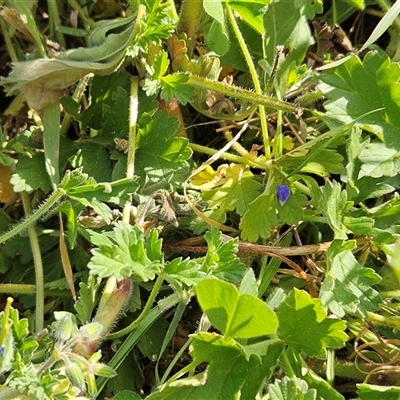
{"x":1,"y":351}
{"x":283,"y":193}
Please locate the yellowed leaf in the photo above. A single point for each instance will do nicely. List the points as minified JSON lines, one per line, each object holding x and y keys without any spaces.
{"x":6,"y":189}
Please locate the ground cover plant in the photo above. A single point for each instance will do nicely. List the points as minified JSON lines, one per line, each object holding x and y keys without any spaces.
{"x":199,"y":199}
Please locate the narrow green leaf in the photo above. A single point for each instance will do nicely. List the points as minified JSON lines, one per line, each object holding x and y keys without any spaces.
{"x":383,"y":25}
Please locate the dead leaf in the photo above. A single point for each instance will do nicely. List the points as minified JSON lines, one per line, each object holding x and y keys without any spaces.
{"x":6,"y":188}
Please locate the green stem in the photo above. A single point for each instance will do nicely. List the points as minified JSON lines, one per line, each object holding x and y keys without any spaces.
{"x":231,"y":157}
{"x":181,"y":372}
{"x":254,"y":77}
{"x":30,"y":219}
{"x":75,"y":5}
{"x":55,"y":23}
{"x":190,"y":17}
{"x":241,"y":94}
{"x":30,"y":290}
{"x":37,"y":260}
{"x":388,"y":321}
{"x":286,"y":366}
{"x":10,"y":48}
{"x":77,"y":96}
{"x":133,"y":117}
{"x":385,"y":5}
{"x":145,"y":311}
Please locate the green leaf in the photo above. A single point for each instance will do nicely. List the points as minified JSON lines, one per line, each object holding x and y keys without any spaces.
{"x":356,"y":88}
{"x":260,"y":218}
{"x":114,"y":120}
{"x":310,"y":8}
{"x":161,"y":64}
{"x":238,"y":190}
{"x":347,"y":287}
{"x":322,"y":163}
{"x":30,"y":174}
{"x":215,"y":10}
{"x":116,"y":192}
{"x":127,"y":254}
{"x":105,"y":91}
{"x":379,"y":160}
{"x":251,"y":12}
{"x":290,"y":389}
{"x":288,"y":27}
{"x":159,"y":154}
{"x":333,"y":204}
{"x":221,"y":259}
{"x":241,"y":316}
{"x":303,"y":325}
{"x":265,"y":213}
{"x":174,"y":86}
{"x":292,"y":211}
{"x":249,"y":284}
{"x":376,"y":392}
{"x":241,"y":377}
{"x":94,"y":160}
{"x":87,"y":299}
{"x":186,"y":271}
{"x":300,"y":368}
{"x":217,"y":38}
{"x":155,"y":26}
{"x":360,"y":188}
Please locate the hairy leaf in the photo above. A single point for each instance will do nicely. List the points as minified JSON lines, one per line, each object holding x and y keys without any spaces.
{"x":289,"y":389}
{"x":127,"y":254}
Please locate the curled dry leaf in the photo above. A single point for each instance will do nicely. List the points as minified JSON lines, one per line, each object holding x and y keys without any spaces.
{"x":43,"y":81}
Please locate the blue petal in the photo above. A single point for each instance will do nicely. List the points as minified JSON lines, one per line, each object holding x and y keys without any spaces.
{"x":283,"y":193}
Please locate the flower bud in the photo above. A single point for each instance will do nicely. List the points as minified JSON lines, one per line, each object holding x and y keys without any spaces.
{"x":283,"y":193}
{"x":75,"y":375}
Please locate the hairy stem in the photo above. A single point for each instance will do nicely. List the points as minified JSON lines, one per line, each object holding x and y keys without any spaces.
{"x":143,"y":314}
{"x":190,"y":17}
{"x":254,"y":77}
{"x":30,"y":219}
{"x":242,"y":94}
